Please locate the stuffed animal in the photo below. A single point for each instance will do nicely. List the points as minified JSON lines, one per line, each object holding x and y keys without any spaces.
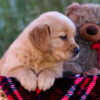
{"x":92,"y":32}
{"x":87,"y":20}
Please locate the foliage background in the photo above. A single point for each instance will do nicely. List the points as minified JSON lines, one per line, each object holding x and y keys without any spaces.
{"x":15,"y":15}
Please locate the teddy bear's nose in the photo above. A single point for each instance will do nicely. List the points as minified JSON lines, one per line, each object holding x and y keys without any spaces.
{"x":91,"y":30}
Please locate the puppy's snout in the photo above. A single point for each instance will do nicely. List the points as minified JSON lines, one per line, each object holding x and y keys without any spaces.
{"x":76,"y":50}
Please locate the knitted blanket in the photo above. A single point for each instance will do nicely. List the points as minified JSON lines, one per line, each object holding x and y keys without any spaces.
{"x":71,"y":88}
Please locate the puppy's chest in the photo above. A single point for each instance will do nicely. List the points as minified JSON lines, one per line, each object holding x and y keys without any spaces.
{"x":38,"y":67}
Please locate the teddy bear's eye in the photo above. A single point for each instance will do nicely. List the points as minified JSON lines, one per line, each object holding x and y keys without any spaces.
{"x":63,"y":37}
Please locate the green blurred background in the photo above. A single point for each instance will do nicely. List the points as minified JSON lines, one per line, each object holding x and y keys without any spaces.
{"x":15,"y":15}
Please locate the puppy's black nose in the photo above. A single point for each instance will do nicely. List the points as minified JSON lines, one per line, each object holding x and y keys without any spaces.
{"x":76,"y":50}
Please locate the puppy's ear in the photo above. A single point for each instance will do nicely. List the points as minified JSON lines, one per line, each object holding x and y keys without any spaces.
{"x":40,"y":37}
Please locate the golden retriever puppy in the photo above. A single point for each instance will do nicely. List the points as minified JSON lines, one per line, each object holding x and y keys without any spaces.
{"x":36,"y":57}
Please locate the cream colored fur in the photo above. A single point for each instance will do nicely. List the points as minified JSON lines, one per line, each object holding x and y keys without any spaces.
{"x":37,"y":65}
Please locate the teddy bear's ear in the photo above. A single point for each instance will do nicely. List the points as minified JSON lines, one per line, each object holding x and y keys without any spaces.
{"x":40,"y":37}
{"x":72,"y":7}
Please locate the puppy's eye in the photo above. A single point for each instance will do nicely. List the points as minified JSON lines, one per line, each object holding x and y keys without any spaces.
{"x":63,"y":37}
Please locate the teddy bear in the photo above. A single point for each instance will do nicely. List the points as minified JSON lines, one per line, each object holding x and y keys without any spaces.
{"x":87,"y":20}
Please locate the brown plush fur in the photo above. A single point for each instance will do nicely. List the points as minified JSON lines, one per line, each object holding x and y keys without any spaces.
{"x":83,"y":13}
{"x":36,"y":57}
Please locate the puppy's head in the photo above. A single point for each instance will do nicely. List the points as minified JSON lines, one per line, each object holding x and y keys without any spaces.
{"x":54,"y":34}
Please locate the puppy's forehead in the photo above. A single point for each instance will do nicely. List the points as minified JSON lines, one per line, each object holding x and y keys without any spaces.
{"x":57,"y":15}
{"x":58,"y":21}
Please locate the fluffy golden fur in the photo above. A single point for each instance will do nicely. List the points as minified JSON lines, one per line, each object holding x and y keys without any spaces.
{"x":36,"y":57}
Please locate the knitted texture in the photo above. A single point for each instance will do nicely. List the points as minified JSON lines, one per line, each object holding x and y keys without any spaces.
{"x":71,"y":88}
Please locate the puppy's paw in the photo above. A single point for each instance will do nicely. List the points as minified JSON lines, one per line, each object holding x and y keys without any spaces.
{"x":46,"y":80}
{"x":29,"y":81}
{"x":26,"y":77}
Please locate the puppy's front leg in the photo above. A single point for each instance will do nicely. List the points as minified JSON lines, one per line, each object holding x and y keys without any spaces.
{"x":46,"y":79}
{"x":26,"y":77}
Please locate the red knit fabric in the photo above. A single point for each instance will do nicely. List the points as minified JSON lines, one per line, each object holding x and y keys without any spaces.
{"x":96,"y":46}
{"x":71,"y":88}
